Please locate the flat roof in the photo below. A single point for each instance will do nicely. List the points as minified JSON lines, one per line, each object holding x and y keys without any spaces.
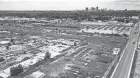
{"x":123,"y":28}
{"x":101,"y":27}
{"x":128,"y":28}
{"x":107,"y":27}
{"x":112,"y":27}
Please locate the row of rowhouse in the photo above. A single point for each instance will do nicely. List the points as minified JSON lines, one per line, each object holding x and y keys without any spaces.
{"x":108,"y":30}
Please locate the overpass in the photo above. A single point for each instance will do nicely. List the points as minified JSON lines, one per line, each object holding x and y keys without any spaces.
{"x":124,"y":65}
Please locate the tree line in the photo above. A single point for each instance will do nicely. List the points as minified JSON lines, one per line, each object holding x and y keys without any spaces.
{"x":76,"y":15}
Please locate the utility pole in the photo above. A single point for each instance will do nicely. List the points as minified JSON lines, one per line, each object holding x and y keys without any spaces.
{"x":138,"y":32}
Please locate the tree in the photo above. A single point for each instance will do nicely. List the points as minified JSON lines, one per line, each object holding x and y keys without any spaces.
{"x":86,"y":9}
{"x":97,"y":8}
{"x":1,"y":59}
{"x":87,"y":27}
{"x":16,"y":70}
{"x":59,"y":31}
{"x":125,"y":9}
{"x":92,"y":9}
{"x":7,"y":47}
{"x":47,"y":56}
{"x":12,"y":41}
{"x":75,"y":44}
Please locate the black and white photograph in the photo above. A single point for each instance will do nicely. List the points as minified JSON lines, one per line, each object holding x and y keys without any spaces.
{"x":69,"y":38}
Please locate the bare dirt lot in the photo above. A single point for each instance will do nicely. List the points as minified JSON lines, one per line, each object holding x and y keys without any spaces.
{"x":85,"y":55}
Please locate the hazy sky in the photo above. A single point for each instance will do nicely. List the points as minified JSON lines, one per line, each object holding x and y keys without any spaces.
{"x":67,"y":4}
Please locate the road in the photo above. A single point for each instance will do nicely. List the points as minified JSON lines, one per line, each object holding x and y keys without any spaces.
{"x":123,"y":68}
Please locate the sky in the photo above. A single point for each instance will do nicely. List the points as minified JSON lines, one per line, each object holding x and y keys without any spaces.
{"x":68,"y":4}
